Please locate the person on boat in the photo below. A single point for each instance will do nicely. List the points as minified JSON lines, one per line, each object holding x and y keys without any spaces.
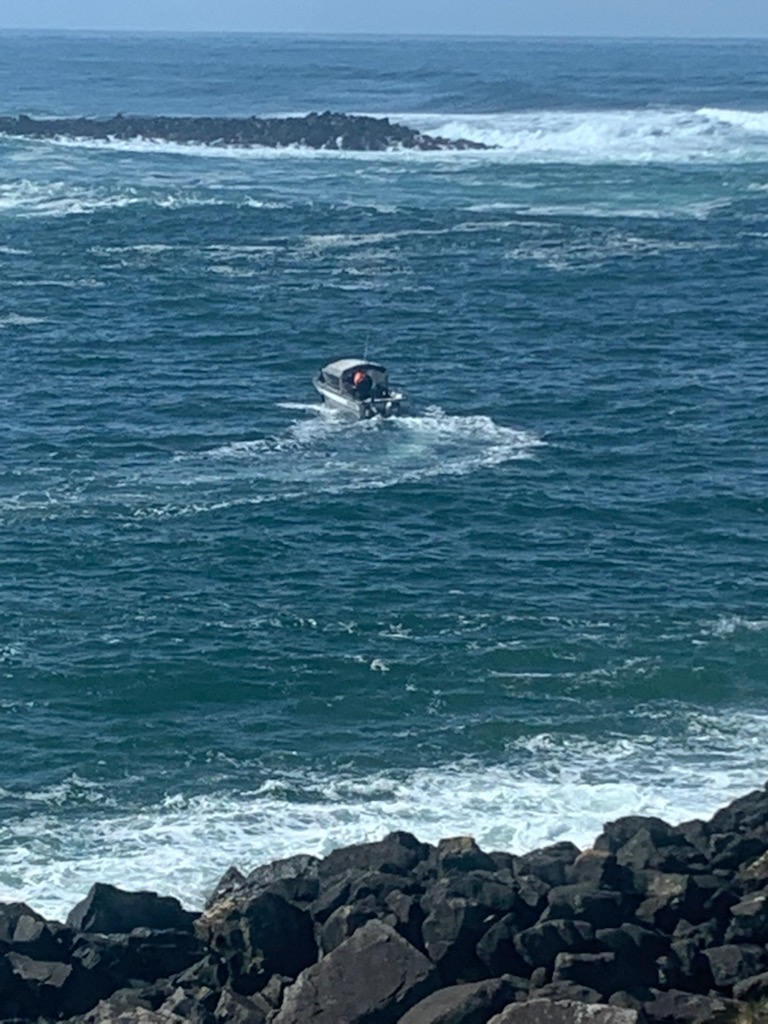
{"x":363,"y":385}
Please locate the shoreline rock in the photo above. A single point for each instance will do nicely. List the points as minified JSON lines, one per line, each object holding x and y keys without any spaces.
{"x":330,"y":131}
{"x":652,"y":925}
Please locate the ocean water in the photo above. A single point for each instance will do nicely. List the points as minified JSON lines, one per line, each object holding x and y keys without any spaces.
{"x":234,"y":626}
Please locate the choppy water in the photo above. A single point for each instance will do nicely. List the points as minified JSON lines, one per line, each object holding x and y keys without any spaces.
{"x":234,"y":626}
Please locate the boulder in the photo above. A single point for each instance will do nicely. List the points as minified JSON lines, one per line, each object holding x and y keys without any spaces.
{"x":109,"y":910}
{"x":617,"y":834}
{"x":597,"y":868}
{"x":459,"y":911}
{"x":540,"y":945}
{"x":602,"y":908}
{"x":675,"y":1007}
{"x":236,"y":1009}
{"x":749,"y":919}
{"x":111,"y":962}
{"x":344,"y":922}
{"x":730,"y":964}
{"x":496,"y":949}
{"x":45,"y":988}
{"x":745,"y":814}
{"x":601,"y":972}
{"x":550,"y":863}
{"x":398,"y":854}
{"x":267,"y":935}
{"x":751,"y":990}
{"x":375,"y":976}
{"x":692,"y":971}
{"x":547,"y":1011}
{"x":461,"y":854}
{"x":463,"y":1004}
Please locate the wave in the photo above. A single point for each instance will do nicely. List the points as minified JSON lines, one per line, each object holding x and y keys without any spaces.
{"x":645,"y":135}
{"x":624,"y":136}
{"x":553,"y":787}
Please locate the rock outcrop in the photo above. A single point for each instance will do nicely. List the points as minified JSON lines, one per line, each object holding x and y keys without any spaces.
{"x":655,"y":924}
{"x":315,"y":131}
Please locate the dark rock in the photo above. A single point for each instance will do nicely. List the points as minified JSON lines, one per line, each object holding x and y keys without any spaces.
{"x":669,"y":899}
{"x":25,"y":931}
{"x":550,"y":863}
{"x":675,"y":1007}
{"x":451,"y":932}
{"x":233,"y":1008}
{"x":463,"y":1004}
{"x":209,"y":971}
{"x":112,"y":961}
{"x":317,"y":131}
{"x":406,"y":916}
{"x":231,"y":881}
{"x":267,"y":935}
{"x":46,"y":988}
{"x":109,"y":910}
{"x":745,"y":814}
{"x":754,"y":874}
{"x":330,"y":899}
{"x":397,"y":854}
{"x":547,"y":1011}
{"x":602,"y":908}
{"x":693,"y":971}
{"x":602,"y":972}
{"x":710,"y":899}
{"x":731,"y":964}
{"x":633,"y":942}
{"x":539,"y":945}
{"x":597,"y":868}
{"x":344,"y":922}
{"x":749,"y":919}
{"x":533,"y":894}
{"x":195,"y":1005}
{"x":752,"y":989}
{"x":11,"y":916}
{"x":459,"y":910}
{"x":379,"y":885}
{"x":461,"y":854}
{"x":567,"y":990}
{"x":375,"y":976}
{"x":730,"y":852}
{"x":496,"y":948}
{"x":617,"y":834}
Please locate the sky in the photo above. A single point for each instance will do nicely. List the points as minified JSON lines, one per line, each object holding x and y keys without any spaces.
{"x":671,"y":18}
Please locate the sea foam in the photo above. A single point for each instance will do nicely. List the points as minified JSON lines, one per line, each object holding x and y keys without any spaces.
{"x":552,"y":788}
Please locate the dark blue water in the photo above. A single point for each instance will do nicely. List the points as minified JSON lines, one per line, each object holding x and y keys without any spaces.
{"x":235,"y":626}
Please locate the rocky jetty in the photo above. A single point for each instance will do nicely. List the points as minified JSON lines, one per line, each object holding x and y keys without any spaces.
{"x":315,"y":131}
{"x":652,"y":925}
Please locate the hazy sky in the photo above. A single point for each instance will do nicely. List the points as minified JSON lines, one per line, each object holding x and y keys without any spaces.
{"x":684,"y":18}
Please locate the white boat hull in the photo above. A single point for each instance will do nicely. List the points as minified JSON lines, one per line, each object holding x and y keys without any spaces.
{"x":360,"y":409}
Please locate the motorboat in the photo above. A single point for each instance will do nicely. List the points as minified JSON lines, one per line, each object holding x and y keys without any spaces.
{"x":358,"y":387}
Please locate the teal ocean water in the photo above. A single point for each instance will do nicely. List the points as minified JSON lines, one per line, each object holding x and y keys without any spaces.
{"x":234,"y":626}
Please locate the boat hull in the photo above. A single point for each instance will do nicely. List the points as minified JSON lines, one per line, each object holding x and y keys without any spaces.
{"x":392,"y":405}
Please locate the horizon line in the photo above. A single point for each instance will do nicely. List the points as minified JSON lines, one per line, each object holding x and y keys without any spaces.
{"x":486,"y":36}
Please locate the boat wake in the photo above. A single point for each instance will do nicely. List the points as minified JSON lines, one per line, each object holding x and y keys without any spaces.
{"x":327,"y":454}
{"x":329,"y":447}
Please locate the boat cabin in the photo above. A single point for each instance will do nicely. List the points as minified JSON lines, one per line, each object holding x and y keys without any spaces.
{"x":341,"y":374}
